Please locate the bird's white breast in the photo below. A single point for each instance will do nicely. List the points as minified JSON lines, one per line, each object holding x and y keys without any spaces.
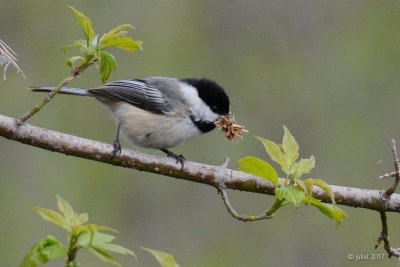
{"x":152,"y":130}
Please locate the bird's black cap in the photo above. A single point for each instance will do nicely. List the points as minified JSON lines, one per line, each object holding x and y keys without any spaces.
{"x":212,"y":94}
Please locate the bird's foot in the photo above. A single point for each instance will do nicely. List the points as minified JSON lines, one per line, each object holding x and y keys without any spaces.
{"x":179,"y":158}
{"x":117,"y":147}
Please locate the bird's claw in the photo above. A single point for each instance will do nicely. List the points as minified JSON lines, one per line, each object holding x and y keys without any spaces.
{"x":179,"y":159}
{"x":117,"y":148}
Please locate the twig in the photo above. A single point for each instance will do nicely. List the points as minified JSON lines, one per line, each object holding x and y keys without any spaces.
{"x":388,"y":175}
{"x":76,"y":72}
{"x":193,"y":172}
{"x":384,"y":236}
{"x":392,"y":189}
{"x":36,"y":108}
{"x":226,"y":162}
{"x":235,"y":214}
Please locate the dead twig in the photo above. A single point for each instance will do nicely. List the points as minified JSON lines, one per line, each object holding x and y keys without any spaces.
{"x":9,"y":57}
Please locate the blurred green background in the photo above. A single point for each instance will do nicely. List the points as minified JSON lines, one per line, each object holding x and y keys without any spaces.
{"x":329,"y":70}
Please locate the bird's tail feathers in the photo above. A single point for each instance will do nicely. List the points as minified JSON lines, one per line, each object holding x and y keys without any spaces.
{"x":64,"y":90}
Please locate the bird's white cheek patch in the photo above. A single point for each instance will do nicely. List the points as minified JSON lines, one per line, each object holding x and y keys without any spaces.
{"x":199,"y":109}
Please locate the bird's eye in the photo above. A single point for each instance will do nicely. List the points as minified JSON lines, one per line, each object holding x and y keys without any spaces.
{"x":214,"y":108}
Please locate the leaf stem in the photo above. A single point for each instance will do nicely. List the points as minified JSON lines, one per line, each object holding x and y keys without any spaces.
{"x":72,"y":251}
{"x":277,"y":205}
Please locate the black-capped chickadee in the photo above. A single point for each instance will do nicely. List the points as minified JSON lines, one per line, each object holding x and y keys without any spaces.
{"x":159,"y":112}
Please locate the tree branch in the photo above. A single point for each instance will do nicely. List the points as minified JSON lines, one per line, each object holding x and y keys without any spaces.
{"x":194,"y":172}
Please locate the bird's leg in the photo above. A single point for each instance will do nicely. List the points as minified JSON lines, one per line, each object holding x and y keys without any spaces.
{"x":116,"y":143}
{"x":179,"y":158}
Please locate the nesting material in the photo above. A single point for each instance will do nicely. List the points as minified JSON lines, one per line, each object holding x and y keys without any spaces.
{"x":228,"y":125}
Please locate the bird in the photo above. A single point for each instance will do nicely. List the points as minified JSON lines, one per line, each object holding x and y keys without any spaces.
{"x":158,"y":112}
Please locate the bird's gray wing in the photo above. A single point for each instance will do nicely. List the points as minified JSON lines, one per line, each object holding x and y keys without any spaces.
{"x":136,"y":92}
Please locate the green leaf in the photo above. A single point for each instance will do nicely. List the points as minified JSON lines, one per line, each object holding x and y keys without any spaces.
{"x":165,"y":259}
{"x":89,"y":52}
{"x":302,"y":185}
{"x":94,"y":228}
{"x":324,"y":186}
{"x":119,"y":31}
{"x":82,"y":218}
{"x":292,"y":194}
{"x":329,"y":210}
{"x":114,"y":248}
{"x":51,"y":216}
{"x":103,"y":238}
{"x":290,"y":149}
{"x":86,"y":239}
{"x":76,"y":44}
{"x":107,"y":65}
{"x":100,"y":244}
{"x":85,"y":23}
{"x":301,"y":167}
{"x":117,"y":37}
{"x":73,"y":264}
{"x":125,"y":43}
{"x":104,"y":256}
{"x":273,"y":150}
{"x":47,"y":249}
{"x":260,"y":168}
{"x":309,"y":164}
{"x":69,"y":214}
{"x":70,"y":62}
